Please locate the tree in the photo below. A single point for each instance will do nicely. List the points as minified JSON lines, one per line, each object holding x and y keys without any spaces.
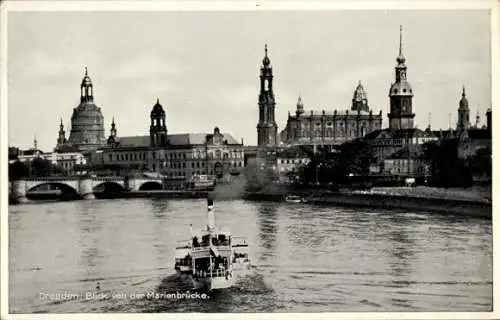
{"x":18,"y":170}
{"x":355,"y":158}
{"x":43,"y":168}
{"x":447,"y":169}
{"x":480,"y":163}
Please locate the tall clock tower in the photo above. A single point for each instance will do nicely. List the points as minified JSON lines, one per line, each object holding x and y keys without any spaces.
{"x":401,"y":95}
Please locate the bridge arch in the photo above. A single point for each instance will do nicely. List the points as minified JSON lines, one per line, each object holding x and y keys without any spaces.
{"x":108,"y":187}
{"x":67,"y":191}
{"x":151,"y":185}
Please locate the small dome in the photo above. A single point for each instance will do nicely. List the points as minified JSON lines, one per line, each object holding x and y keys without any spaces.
{"x":86,"y":81}
{"x":359,"y":93}
{"x":300,"y":104}
{"x":401,"y":88}
{"x":464,"y":103}
{"x":157,"y":109}
{"x":266,"y":61}
{"x":401,"y":59}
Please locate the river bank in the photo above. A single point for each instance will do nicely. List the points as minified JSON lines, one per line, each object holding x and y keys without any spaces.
{"x":471,"y":203}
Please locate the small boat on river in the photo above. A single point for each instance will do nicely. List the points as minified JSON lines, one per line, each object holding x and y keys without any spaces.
{"x":212,"y":258}
{"x":295,"y":199}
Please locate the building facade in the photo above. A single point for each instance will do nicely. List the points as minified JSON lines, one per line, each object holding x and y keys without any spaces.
{"x":267,"y":129}
{"x":174,"y":156}
{"x":331,"y":127}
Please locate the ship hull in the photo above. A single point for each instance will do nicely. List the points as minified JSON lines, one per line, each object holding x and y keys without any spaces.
{"x":214,"y":283}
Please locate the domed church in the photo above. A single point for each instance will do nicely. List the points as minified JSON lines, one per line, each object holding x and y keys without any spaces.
{"x":87,"y":122}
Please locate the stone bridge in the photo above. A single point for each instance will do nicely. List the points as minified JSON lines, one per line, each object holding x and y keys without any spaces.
{"x":84,"y":186}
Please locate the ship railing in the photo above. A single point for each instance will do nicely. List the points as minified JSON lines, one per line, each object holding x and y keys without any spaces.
{"x":214,"y":273}
{"x":207,"y":247}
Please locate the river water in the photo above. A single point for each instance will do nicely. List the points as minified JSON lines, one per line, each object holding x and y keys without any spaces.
{"x":107,"y":255}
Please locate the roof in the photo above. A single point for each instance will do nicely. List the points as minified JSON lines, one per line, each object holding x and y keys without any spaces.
{"x":339,"y":113}
{"x":30,"y":152}
{"x":404,"y":153}
{"x":295,"y":152}
{"x":397,"y":134}
{"x":65,"y":148}
{"x":479,"y":134}
{"x":134,"y":141}
{"x":177,"y":139}
{"x":473,"y":134}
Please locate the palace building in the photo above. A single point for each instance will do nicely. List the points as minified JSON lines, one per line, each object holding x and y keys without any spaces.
{"x":331,"y":127}
{"x":179,"y":156}
{"x":87,"y":123}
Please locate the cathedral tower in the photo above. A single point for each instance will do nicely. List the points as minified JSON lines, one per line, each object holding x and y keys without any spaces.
{"x":463,"y":113}
{"x":158,"y":128}
{"x":359,"y":99}
{"x":300,"y":107}
{"x":267,"y":128}
{"x":401,"y":114}
{"x":61,"y":140}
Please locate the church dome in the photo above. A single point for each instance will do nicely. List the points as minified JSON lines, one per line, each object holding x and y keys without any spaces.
{"x":401,"y":88}
{"x":87,"y":126}
{"x":157,"y":109}
{"x":87,"y":122}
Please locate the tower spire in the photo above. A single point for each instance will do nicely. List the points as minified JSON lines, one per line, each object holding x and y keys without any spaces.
{"x":35,"y":142}
{"x":61,"y":123}
{"x":429,"y":124}
{"x":463,"y":91}
{"x":477,"y":118}
{"x":86,"y":73}
{"x":400,"y":39}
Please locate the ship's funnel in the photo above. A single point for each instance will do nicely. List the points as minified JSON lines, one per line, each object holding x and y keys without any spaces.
{"x":211,"y":217}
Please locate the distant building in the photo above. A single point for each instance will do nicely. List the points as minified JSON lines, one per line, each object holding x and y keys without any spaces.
{"x":87,"y":123}
{"x":67,"y":162}
{"x":289,"y":162}
{"x":406,"y":162}
{"x":331,"y":128}
{"x":470,"y":138}
{"x":176,"y":156}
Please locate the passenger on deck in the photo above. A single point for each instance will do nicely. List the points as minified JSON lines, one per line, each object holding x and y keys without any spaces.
{"x":195,"y":242}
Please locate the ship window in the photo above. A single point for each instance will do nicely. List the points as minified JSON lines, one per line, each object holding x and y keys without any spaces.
{"x":404,"y":90}
{"x":395,"y":90}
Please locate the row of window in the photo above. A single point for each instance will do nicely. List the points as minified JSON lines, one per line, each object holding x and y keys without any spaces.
{"x":142,"y":156}
{"x":330,"y":134}
{"x":181,"y":165}
{"x":292,"y":161}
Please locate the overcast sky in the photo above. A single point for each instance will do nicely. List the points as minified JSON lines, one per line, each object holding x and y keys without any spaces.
{"x":204,"y":66}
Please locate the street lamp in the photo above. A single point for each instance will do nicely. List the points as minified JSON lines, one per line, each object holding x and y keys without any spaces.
{"x":317,"y":174}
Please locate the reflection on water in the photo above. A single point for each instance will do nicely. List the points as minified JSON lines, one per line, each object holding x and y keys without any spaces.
{"x":306,"y":258}
{"x":267,"y":221}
